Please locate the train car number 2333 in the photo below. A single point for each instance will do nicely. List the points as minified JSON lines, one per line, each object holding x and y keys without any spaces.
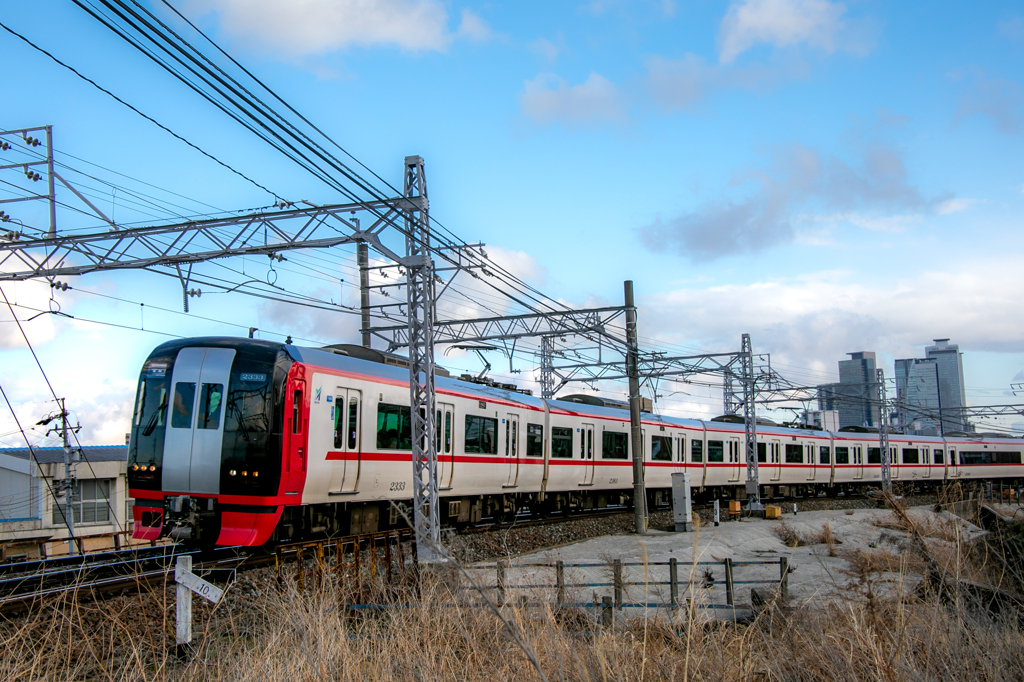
{"x":397,"y":485}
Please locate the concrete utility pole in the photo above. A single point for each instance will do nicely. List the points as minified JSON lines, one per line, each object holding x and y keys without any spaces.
{"x":635,"y":433}
{"x":70,"y":479}
{"x":363,"y":258}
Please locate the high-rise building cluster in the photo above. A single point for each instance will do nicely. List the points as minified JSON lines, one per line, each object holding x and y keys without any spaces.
{"x":929,"y":392}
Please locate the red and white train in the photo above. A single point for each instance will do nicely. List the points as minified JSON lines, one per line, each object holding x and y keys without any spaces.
{"x":240,"y":442}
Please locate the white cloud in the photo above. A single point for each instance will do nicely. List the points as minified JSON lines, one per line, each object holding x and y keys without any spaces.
{"x":821,"y":316}
{"x":306,"y":27}
{"x":999,"y":100}
{"x":549,"y":99}
{"x":871,"y":192}
{"x":786,"y":23}
{"x":474,"y":28}
{"x":1012,"y":28}
{"x":548,"y":50}
{"x":955,"y":205}
{"x":683,"y":83}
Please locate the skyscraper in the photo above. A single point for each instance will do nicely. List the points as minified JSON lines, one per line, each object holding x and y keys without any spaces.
{"x":930,"y":390}
{"x":857,"y":396}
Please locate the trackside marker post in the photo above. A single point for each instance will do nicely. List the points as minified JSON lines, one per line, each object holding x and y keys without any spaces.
{"x":187,"y":583}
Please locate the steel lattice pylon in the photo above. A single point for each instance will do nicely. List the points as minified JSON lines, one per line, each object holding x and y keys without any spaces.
{"x":547,"y":377}
{"x":750,"y":425}
{"x":420,"y":288}
{"x":883,"y":436}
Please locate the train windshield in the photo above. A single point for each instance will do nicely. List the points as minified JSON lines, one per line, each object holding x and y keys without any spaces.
{"x":149,"y":423}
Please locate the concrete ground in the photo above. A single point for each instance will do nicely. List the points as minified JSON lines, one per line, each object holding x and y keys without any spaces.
{"x":699,"y":553}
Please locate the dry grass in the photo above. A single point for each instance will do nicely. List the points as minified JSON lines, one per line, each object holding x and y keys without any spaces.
{"x":791,"y":537}
{"x":283,"y":635}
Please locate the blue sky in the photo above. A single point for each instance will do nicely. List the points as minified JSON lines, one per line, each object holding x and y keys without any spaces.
{"x":828,"y":177}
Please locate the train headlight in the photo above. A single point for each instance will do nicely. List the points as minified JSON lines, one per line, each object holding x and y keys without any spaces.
{"x":245,"y":473}
{"x":135,"y":467}
{"x":255,"y":474}
{"x":152,"y":467}
{"x":232,"y":473}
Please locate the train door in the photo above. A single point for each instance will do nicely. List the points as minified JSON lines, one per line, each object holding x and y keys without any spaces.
{"x":445,"y":453}
{"x":193,"y":443}
{"x":295,"y":437}
{"x":775,"y":459}
{"x":587,"y":453}
{"x":347,"y":440}
{"x":811,"y":461}
{"x":680,"y":456}
{"x":512,"y":447}
{"x":734,"y":459}
{"x":858,"y":461}
{"x":894,"y":463}
{"x":926,"y":461}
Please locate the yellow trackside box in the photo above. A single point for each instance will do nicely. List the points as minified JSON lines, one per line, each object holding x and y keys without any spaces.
{"x":772,"y":512}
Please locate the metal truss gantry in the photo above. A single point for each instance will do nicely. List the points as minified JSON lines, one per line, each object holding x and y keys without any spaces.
{"x":883,"y":435}
{"x":750,"y":425}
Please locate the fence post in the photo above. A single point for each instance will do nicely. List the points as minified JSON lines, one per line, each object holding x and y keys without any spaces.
{"x":607,"y":617}
{"x":617,"y":580}
{"x":183,"y":610}
{"x":560,"y":581}
{"x":729,"y":596}
{"x":300,"y":579}
{"x":502,"y":596}
{"x":673,"y":580}
{"x":784,"y":577}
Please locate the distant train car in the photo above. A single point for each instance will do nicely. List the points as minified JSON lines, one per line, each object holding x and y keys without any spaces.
{"x":241,"y":442}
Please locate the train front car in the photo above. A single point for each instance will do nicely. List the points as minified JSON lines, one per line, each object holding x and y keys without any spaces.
{"x":205,"y":458}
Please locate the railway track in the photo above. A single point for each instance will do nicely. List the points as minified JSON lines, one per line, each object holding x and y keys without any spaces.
{"x":100,"y":574}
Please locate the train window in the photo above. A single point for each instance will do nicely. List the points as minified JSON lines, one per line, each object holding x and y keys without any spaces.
{"x":297,"y":412}
{"x":614,"y":445}
{"x":481,"y":435}
{"x":716,"y":451}
{"x":534,"y":440}
{"x":874,"y":456}
{"x":152,"y":405}
{"x":794,"y":453}
{"x":824,"y":454}
{"x":561,"y":442}
{"x":661,"y":448}
{"x":394,"y":427}
{"x":353,"y":422}
{"x":437,"y":432}
{"x":842,"y":455}
{"x":339,"y":421}
{"x":209,"y":406}
{"x":910,"y":456}
{"x":184,"y":398}
{"x":697,"y":451}
{"x":1007,"y":458}
{"x":937,"y":456}
{"x":447,"y":432}
{"x":967,"y":457}
{"x":682,"y":448}
{"x":762,"y":453}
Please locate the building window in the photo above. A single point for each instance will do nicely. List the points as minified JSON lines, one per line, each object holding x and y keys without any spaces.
{"x":92,"y":506}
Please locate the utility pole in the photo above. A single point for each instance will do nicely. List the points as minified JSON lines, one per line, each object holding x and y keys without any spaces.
{"x":883,"y":435}
{"x":750,"y":425}
{"x":70,"y":484}
{"x":363,"y":258}
{"x":636,"y":435}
